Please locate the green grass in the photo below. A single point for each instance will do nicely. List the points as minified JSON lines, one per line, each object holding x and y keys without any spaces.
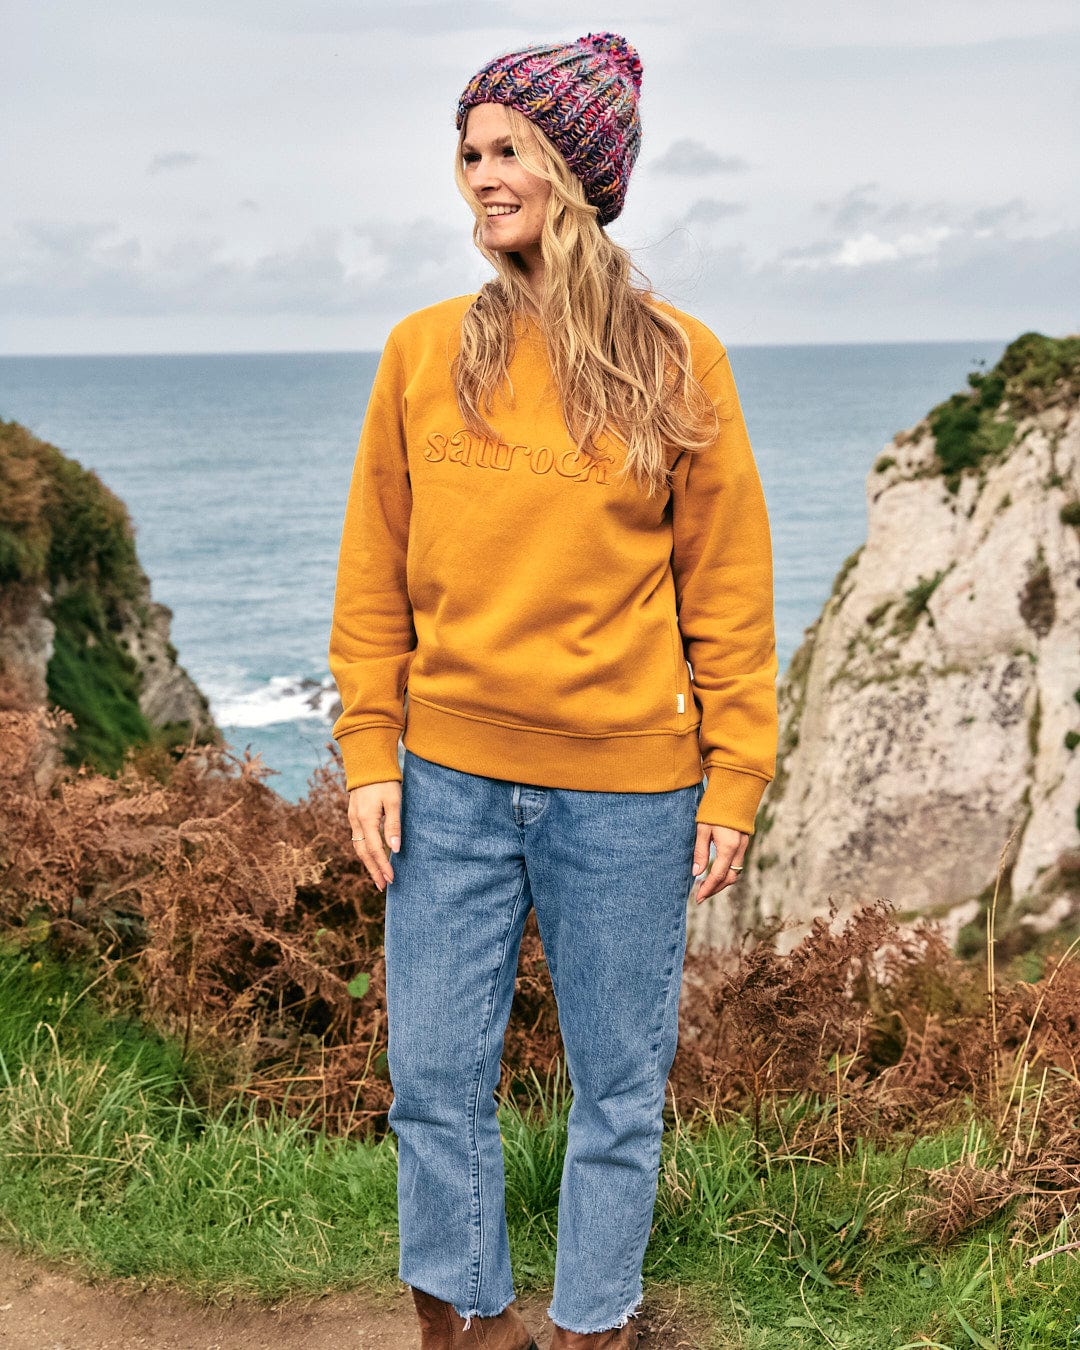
{"x":91,"y":676}
{"x":105,"y":1156}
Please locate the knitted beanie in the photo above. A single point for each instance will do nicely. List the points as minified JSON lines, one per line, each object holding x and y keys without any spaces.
{"x":583,"y":96}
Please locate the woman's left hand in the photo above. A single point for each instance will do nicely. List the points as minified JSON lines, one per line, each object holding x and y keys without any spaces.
{"x":730,"y":848}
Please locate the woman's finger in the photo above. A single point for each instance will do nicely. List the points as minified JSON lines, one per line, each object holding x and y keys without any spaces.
{"x":735,"y":866}
{"x":368,"y":807}
{"x":375,"y":855}
{"x":701,"y":849}
{"x":730,"y":846}
{"x":366,"y":853}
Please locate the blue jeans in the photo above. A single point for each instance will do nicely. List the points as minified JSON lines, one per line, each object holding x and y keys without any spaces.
{"x":610,"y":875}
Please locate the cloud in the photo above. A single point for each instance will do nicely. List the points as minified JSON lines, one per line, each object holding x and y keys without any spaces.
{"x":867,"y":249}
{"x":708,"y":211}
{"x":59,"y":239}
{"x":860,"y":207}
{"x":692,"y":159}
{"x":867,"y":232}
{"x":978,"y":286}
{"x":941,"y":267}
{"x":990,"y":219}
{"x":173,"y":159}
{"x":969,"y":287}
{"x":853,"y":209}
{"x":93,"y":267}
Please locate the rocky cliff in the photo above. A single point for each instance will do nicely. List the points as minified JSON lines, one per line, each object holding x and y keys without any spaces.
{"x":933,"y":708}
{"x":78,"y":627}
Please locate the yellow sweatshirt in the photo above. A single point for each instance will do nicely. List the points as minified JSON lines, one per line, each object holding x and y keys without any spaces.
{"x":540,"y":613}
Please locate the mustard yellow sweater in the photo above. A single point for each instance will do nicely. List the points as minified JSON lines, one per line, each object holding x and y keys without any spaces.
{"x":540,"y":613}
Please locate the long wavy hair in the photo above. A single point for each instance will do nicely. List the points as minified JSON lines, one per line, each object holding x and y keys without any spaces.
{"x":622,"y":366}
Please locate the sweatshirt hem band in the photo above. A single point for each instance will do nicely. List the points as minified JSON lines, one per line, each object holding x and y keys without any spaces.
{"x":641,"y":763}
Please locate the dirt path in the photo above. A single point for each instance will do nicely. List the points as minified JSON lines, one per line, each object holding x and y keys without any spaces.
{"x":46,"y":1306}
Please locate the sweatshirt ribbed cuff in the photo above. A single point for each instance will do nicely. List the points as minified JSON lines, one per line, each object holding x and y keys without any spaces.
{"x":731,"y":798}
{"x":370,"y":755}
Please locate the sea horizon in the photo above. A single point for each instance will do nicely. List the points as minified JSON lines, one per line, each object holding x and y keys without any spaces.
{"x":234,"y":468}
{"x":368,"y":351}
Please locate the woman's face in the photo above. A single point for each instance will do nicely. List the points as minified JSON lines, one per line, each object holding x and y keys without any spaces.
{"x":513,"y":199}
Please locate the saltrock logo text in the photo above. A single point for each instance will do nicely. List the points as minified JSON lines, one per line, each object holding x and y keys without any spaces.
{"x":478,"y":452}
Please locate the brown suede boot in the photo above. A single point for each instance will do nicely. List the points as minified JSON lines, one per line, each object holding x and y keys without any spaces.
{"x":442,"y":1329}
{"x":618,"y":1338}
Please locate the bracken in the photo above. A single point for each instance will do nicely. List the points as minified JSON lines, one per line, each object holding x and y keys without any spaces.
{"x":237,"y":921}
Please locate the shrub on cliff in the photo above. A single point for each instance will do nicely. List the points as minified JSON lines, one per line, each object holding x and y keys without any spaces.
{"x":59,"y":524}
{"x":1033,"y":372}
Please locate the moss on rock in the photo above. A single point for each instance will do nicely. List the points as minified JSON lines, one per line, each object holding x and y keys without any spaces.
{"x":64,"y":532}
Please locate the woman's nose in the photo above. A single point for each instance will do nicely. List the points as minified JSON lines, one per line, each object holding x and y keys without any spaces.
{"x":484,"y":173}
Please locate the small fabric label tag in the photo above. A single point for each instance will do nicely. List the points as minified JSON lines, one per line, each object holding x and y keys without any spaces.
{"x":680,"y":701}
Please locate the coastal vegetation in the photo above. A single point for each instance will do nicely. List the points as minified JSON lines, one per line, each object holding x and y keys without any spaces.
{"x":916,"y":603}
{"x":871,"y":1143}
{"x":1033,"y":373}
{"x":65,"y":535}
{"x":60,"y":524}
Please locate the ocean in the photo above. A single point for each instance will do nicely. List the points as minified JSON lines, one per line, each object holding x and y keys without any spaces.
{"x":235,"y":469}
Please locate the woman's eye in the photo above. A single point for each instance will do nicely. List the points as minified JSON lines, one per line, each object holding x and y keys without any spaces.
{"x":509,"y":150}
{"x":471,"y":159}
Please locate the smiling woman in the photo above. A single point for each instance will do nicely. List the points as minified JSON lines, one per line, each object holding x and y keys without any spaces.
{"x":511,"y":202}
{"x":543,"y":617}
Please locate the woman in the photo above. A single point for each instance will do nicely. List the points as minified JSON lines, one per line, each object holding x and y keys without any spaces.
{"x":554,"y":507}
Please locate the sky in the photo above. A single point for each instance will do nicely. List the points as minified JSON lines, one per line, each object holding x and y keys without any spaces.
{"x":270,"y":175}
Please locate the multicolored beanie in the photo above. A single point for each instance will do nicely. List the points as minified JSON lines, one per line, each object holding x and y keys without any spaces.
{"x":583,"y":96}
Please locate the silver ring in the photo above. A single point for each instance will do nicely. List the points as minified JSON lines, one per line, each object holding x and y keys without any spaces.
{"x":733,"y":868}
{"x":358,"y":838}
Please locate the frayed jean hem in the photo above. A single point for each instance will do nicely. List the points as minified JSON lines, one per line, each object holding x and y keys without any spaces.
{"x":632,"y":1311}
{"x":467,"y":1317}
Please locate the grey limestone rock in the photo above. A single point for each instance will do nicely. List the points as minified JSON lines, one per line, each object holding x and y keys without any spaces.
{"x":933,"y":709}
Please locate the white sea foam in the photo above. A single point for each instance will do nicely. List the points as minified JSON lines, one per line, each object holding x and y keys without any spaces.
{"x":282,"y":698}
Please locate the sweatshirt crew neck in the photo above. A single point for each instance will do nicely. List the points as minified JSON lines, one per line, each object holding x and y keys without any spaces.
{"x":517,"y":611}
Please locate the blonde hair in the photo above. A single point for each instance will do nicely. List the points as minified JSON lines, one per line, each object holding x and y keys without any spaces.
{"x":621,"y":365}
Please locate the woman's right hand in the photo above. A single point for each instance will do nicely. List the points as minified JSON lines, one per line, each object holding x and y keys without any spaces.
{"x":371,"y":807}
